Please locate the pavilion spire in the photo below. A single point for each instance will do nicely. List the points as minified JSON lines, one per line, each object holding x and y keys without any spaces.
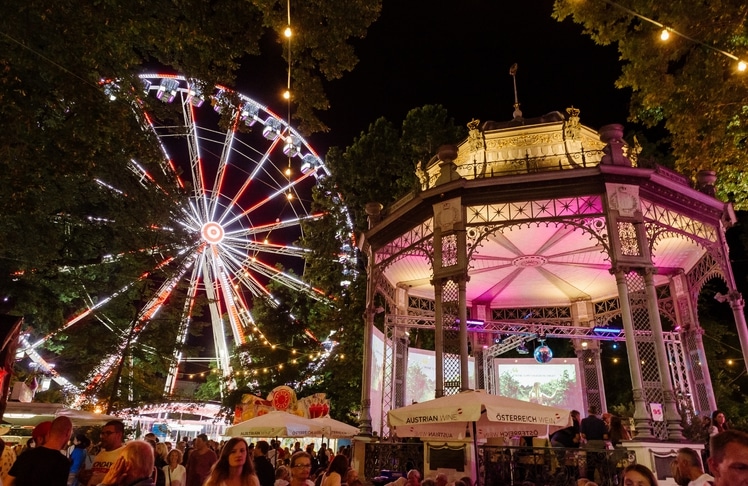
{"x":513,"y":73}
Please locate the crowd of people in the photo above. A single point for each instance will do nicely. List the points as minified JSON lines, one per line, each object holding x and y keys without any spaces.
{"x":53,"y":459}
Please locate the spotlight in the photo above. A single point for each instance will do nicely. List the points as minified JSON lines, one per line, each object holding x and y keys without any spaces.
{"x":664,"y":35}
{"x":522,"y":349}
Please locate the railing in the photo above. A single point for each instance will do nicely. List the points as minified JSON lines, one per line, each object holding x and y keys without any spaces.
{"x":531,"y":164}
{"x":551,"y":466}
{"x":512,"y":466}
{"x":392,"y":456}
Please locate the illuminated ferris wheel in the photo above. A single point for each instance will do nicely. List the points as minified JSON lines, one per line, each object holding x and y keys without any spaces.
{"x":247,"y":194}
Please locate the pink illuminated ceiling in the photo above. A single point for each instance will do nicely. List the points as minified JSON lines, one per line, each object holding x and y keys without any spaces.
{"x":541,"y":265}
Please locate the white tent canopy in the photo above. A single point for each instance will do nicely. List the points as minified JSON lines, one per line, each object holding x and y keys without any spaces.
{"x":276,"y":424}
{"x":453,"y":416}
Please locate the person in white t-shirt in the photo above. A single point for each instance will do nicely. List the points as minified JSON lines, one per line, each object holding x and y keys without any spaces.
{"x":689,"y":466}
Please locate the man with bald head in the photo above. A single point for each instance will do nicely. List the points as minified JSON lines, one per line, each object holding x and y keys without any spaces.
{"x":45,"y":464}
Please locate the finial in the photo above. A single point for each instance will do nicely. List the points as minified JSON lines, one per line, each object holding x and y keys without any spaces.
{"x":513,"y":73}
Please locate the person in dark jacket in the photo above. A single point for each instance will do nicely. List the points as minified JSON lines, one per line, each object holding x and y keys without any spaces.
{"x":264,"y":470}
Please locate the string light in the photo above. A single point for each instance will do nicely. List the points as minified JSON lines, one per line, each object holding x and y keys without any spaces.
{"x":667,"y":31}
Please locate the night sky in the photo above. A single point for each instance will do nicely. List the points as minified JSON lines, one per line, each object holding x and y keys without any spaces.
{"x":458,"y":54}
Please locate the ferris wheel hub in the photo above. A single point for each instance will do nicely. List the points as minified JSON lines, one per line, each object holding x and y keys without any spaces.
{"x":212,"y":233}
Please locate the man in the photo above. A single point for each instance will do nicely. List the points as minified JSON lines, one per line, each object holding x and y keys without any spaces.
{"x":728,"y":460}
{"x":151,"y":436}
{"x":689,"y":467}
{"x":296,"y":447}
{"x":39,"y":434}
{"x":273,"y":454}
{"x":441,"y":479}
{"x":322,"y":459}
{"x":412,"y":478}
{"x":44,"y":464}
{"x":300,"y":465}
{"x":201,"y":460}
{"x":594,"y":432}
{"x":111,"y":447}
{"x":134,"y":467}
{"x":264,"y":470}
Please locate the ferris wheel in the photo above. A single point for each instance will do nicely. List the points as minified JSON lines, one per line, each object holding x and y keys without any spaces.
{"x":245,"y":195}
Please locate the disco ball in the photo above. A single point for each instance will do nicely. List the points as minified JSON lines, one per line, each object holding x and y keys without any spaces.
{"x":543,"y":354}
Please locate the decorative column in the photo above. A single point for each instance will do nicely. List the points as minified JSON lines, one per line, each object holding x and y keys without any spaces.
{"x":642,"y":420}
{"x":438,"y":338}
{"x":464,"y":362}
{"x":672,"y":417}
{"x":374,"y":212}
{"x":737,"y":304}
{"x":450,"y":274}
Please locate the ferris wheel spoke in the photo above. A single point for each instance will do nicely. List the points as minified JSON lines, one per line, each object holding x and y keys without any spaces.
{"x":102,"y":372}
{"x":242,"y":234}
{"x":210,"y":283}
{"x":285,"y":278}
{"x":184,"y":326}
{"x":245,"y":185}
{"x":281,"y":191}
{"x":98,"y":305}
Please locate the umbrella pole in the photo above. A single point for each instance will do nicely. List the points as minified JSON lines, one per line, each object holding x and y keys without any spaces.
{"x":475,"y":452}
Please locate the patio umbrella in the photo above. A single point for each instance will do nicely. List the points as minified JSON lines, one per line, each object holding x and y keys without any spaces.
{"x":476,"y":414}
{"x":275,"y":424}
{"x":335,"y":429}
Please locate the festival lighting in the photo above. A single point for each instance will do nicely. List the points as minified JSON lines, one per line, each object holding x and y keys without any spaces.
{"x":666,"y":32}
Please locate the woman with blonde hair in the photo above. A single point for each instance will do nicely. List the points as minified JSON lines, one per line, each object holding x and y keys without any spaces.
{"x":174,"y":471}
{"x":234,"y":467}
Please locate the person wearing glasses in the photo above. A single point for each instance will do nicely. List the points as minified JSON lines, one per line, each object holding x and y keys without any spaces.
{"x":111,"y":448}
{"x":301,"y":466}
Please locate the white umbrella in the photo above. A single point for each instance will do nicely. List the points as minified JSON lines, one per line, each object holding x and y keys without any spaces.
{"x":275,"y":424}
{"x":336,"y":429}
{"x":478,"y":413}
{"x":487,"y":415}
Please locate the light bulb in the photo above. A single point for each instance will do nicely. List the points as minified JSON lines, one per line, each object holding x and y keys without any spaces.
{"x":287,"y":32}
{"x":664,"y":35}
{"x":288,"y":171}
{"x":742,"y":66}
{"x":287,"y":95}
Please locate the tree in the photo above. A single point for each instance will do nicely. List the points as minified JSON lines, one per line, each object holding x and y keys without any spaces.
{"x":77,"y":223}
{"x":380,"y":164}
{"x":692,"y":91}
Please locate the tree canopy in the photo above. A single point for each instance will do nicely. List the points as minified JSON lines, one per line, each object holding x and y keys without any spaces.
{"x":78,"y":223}
{"x":694,"y":92}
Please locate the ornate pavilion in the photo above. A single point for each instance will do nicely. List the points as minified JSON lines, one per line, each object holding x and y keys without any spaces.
{"x":541,"y":228}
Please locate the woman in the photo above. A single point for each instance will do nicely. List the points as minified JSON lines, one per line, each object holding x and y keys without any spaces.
{"x":78,"y":457}
{"x":617,"y":432}
{"x":719,"y":423}
{"x":234,"y":467}
{"x":335,"y":471}
{"x":638,"y":475}
{"x":160,"y":452}
{"x":282,"y":476}
{"x":174,"y":471}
